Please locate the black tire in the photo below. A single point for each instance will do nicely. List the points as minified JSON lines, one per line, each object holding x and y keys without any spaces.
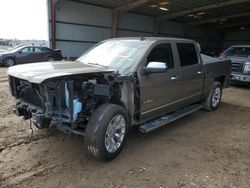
{"x":96,"y":131}
{"x":9,"y":62}
{"x":209,"y":105}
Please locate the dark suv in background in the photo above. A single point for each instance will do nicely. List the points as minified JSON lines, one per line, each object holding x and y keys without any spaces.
{"x":29,"y":54}
{"x":240,"y":57}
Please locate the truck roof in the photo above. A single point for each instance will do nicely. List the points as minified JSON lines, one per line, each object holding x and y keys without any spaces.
{"x":153,"y":39}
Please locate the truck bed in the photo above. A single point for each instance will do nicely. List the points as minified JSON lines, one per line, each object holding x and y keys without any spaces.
{"x":217,"y":69}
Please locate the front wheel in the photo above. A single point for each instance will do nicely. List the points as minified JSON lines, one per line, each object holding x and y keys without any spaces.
{"x":106,"y":132}
{"x":9,"y":62}
{"x":214,"y":98}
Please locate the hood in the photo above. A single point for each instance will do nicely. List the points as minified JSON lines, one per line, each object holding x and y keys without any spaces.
{"x":239,"y":59}
{"x":4,"y":52}
{"x":38,"y":72}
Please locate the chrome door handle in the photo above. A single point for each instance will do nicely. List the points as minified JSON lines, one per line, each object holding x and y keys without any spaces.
{"x":174,"y":78}
{"x":199,"y":72}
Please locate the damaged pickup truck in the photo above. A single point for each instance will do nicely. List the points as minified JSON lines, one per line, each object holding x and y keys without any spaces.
{"x":119,"y":83}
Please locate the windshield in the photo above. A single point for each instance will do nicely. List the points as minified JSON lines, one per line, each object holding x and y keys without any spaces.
{"x":238,"y":51}
{"x":16,"y":48}
{"x":120,"y":55}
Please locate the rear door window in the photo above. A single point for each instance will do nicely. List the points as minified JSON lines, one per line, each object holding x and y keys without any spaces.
{"x":38,"y":50}
{"x":187,"y":53}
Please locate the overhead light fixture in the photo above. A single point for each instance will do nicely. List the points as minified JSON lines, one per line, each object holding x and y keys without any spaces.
{"x":223,"y":19}
{"x":163,"y":8}
{"x":163,"y":3}
{"x":190,"y":15}
{"x":153,"y":6}
{"x":200,"y":13}
{"x":242,"y":28}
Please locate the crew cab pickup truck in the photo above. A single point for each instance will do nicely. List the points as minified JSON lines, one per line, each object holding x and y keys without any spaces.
{"x":119,"y":83}
{"x":240,"y":57}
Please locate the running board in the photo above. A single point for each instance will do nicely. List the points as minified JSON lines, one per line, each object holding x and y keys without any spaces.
{"x":163,"y":120}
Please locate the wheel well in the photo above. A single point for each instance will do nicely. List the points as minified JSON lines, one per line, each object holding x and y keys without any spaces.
{"x":9,"y":58}
{"x":117,"y":101}
{"x":220,"y":79}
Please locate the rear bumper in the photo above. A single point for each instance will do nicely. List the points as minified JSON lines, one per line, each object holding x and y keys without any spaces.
{"x":240,"y":77}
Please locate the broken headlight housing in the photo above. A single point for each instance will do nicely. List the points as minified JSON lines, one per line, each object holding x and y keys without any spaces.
{"x":247,"y":67}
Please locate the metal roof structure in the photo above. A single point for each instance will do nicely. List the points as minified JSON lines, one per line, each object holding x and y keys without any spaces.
{"x":80,"y":24}
{"x":220,"y":14}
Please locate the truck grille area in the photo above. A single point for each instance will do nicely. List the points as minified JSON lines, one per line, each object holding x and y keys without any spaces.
{"x":237,"y":67}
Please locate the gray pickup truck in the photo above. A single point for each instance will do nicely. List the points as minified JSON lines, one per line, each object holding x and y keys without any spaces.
{"x":240,"y":57}
{"x":119,"y":83}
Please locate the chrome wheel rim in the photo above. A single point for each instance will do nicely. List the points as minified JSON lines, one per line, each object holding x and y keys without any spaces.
{"x":115,"y":133}
{"x":216,"y":97}
{"x":9,"y":62}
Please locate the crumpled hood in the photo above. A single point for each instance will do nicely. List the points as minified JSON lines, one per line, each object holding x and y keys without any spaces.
{"x":38,"y":72}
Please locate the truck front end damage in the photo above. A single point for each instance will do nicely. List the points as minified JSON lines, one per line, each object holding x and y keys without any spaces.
{"x":68,"y":102}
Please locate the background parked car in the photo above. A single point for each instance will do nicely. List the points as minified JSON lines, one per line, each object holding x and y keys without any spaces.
{"x":29,"y":54}
{"x":240,"y":57}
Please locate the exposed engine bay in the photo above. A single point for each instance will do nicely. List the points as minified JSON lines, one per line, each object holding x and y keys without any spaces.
{"x":68,"y":102}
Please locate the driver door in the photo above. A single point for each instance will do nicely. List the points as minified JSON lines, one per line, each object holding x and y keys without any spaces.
{"x":158,"y":91}
{"x":25,"y":55}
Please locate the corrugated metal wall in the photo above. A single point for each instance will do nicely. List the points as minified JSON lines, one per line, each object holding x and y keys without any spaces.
{"x":80,"y":26}
{"x":237,"y":38}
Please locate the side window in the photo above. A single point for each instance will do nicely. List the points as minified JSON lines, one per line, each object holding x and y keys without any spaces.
{"x":162,"y":53}
{"x":37,"y":50}
{"x":187,"y":53}
{"x":45,"y":49}
{"x":26,"y":50}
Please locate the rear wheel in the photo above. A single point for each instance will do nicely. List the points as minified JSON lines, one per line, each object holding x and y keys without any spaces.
{"x":214,"y":98}
{"x":106,"y":132}
{"x":9,"y":62}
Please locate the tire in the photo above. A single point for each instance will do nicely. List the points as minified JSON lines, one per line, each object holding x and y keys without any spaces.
{"x":100,"y":132}
{"x":9,"y":62}
{"x":214,"y":98}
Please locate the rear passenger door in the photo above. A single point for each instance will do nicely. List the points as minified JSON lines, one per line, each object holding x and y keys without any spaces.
{"x":40,"y":54}
{"x":191,"y":75}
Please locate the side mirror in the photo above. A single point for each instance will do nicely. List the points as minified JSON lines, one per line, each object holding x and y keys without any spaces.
{"x":20,"y":52}
{"x":154,"y":67}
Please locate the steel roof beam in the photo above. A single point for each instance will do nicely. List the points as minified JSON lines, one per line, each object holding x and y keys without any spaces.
{"x":234,"y":25}
{"x":219,"y":18}
{"x":122,"y":9}
{"x":203,"y":8}
{"x":131,"y":6}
